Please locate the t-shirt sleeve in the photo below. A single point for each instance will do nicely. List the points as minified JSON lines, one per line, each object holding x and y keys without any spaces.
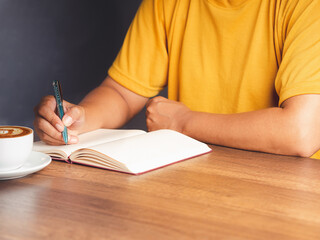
{"x":141,"y":65}
{"x":299,"y":32}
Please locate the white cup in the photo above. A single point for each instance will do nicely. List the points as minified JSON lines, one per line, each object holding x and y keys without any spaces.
{"x":15,"y":146}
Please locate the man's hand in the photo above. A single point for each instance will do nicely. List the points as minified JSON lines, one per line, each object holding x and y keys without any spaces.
{"x":163,"y":113}
{"x":49,"y":126}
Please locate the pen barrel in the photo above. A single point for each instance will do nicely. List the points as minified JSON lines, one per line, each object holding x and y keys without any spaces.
{"x":65,"y":135}
{"x":58,"y":96}
{"x":60,"y":110}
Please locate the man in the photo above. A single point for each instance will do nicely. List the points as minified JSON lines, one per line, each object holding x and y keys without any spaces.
{"x":240,"y":73}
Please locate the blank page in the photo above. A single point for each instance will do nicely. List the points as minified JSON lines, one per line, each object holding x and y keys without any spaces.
{"x":152,"y":150}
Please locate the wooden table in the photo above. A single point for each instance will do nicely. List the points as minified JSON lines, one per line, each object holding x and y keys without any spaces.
{"x":227,"y":194}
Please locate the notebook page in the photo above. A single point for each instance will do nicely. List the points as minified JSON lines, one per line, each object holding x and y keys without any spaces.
{"x":152,"y":150}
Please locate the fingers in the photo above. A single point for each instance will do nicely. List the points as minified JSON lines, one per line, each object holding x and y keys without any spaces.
{"x":151,"y":125}
{"x":56,"y":138}
{"x":46,"y":110}
{"x":152,"y":114}
{"x":48,"y":125}
{"x":162,"y":113}
{"x":47,"y":132}
{"x":72,"y":115}
{"x":154,"y":104}
{"x":156,"y":100}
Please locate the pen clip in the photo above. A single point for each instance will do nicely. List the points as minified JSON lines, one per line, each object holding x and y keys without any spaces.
{"x":58,"y":97}
{"x":60,"y":91}
{"x":57,"y":92}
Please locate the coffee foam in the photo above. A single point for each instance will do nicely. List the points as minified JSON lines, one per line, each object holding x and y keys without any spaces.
{"x":13,"y":131}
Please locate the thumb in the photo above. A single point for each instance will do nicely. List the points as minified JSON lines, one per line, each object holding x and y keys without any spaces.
{"x":72,"y":115}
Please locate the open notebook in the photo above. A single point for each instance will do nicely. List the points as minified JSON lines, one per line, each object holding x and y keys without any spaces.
{"x":130,"y":151}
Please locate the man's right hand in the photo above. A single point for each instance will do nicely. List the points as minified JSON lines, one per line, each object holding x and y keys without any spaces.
{"x":49,"y":126}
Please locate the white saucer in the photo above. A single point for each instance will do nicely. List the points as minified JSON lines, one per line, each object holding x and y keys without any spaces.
{"x":35,"y":162}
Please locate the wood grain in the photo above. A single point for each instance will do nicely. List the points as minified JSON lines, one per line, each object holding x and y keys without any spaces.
{"x":227,"y":194}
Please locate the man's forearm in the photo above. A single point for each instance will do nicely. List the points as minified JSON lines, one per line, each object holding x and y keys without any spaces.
{"x":110,"y":106}
{"x":104,"y":109}
{"x":271,"y":130}
{"x":262,"y":130}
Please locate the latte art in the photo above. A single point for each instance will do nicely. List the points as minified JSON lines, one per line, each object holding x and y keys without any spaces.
{"x":13,"y":131}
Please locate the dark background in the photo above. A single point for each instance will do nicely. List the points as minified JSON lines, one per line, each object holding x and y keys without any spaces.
{"x":74,"y":41}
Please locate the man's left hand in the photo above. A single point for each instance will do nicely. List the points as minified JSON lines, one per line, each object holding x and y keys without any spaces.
{"x":163,"y":113}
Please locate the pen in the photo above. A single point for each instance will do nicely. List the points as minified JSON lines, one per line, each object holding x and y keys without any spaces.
{"x":59,"y":100}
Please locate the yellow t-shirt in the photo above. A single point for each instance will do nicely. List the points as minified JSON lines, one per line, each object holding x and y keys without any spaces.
{"x":222,"y":56}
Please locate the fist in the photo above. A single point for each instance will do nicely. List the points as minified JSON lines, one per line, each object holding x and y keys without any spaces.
{"x":163,"y":113}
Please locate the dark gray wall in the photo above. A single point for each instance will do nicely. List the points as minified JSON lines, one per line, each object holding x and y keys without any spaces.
{"x":74,"y":41}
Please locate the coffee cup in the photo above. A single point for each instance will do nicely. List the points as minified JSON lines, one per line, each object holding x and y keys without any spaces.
{"x":15,"y":146}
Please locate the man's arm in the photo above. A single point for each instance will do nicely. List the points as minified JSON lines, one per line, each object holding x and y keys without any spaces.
{"x":108,"y":106}
{"x":292,"y":129}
